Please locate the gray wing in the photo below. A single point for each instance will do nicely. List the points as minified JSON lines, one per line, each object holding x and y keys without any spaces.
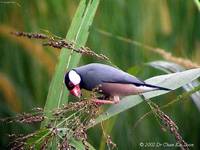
{"x":94,"y":74}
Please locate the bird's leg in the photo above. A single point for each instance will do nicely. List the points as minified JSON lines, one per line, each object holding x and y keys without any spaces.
{"x":103,"y":101}
{"x":114,"y":101}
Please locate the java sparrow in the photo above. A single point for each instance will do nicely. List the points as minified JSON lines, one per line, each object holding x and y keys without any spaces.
{"x":112,"y":82}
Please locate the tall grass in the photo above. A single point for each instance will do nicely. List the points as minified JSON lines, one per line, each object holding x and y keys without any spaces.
{"x":77,"y":33}
{"x":172,"y":25}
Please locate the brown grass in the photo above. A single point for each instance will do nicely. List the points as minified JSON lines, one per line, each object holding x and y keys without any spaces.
{"x":10,"y":94}
{"x":35,"y":50}
{"x":163,"y":53}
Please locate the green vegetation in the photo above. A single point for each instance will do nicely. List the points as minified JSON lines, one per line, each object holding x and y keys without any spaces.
{"x":78,"y":33}
{"x":131,"y":34}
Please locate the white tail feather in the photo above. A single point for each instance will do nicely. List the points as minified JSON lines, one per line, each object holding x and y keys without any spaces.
{"x":146,"y":88}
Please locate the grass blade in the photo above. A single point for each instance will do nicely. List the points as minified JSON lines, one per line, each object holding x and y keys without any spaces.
{"x":170,"y":67}
{"x":197,"y":2}
{"x":78,"y":33}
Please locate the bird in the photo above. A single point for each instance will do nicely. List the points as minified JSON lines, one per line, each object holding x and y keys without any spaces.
{"x":112,"y":82}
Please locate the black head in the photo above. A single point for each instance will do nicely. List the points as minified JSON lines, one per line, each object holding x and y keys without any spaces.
{"x":72,"y":82}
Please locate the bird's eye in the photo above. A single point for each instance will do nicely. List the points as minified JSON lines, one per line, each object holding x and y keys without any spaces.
{"x":70,"y":85}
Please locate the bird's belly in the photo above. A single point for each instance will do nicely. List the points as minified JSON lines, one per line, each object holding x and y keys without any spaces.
{"x":120,"y":89}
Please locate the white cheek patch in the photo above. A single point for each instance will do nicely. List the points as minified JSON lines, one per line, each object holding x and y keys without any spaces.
{"x":74,"y":77}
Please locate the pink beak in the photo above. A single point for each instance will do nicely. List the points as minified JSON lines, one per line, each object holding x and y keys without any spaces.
{"x":76,"y":91}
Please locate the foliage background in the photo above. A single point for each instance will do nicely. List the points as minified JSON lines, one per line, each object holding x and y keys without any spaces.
{"x":26,"y":67}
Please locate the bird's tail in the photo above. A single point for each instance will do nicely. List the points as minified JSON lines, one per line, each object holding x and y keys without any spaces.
{"x":156,"y":87}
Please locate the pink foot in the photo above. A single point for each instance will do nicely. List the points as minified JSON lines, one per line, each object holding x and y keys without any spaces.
{"x":103,"y":101}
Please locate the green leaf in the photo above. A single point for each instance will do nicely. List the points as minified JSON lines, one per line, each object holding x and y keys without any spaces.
{"x":79,"y":145}
{"x":78,"y":33}
{"x":197,"y":2}
{"x":38,"y":138}
{"x":170,"y":67}
{"x":166,"y":66}
{"x":172,"y":81}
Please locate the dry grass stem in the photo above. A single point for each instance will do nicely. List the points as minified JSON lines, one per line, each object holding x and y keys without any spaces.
{"x":168,"y":124}
{"x":181,"y":61}
{"x":181,"y":97}
{"x":35,"y":50}
{"x":28,"y":118}
{"x":109,"y":142}
{"x":30,"y":35}
{"x":166,"y":55}
{"x":73,"y":121}
{"x":60,"y":43}
{"x":10,"y":93}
